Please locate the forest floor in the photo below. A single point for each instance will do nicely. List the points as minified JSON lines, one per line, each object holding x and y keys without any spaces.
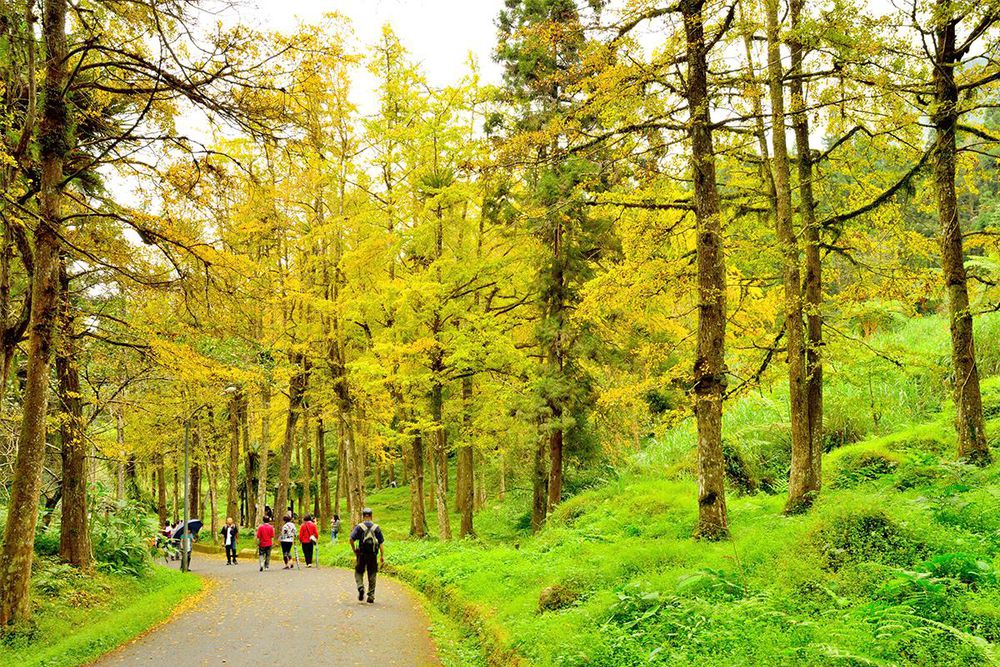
{"x":287,"y":617}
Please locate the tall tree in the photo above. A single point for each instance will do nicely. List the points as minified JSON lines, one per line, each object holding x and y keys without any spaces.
{"x":56,"y":143}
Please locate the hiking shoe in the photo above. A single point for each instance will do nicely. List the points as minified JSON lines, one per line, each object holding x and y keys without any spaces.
{"x":361,"y":594}
{"x":371,"y":599}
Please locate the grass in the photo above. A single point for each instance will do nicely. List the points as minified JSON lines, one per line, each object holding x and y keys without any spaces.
{"x":79,"y":618}
{"x":898,"y":563}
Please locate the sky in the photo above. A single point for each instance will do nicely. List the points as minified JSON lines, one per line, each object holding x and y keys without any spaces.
{"x":439,"y":34}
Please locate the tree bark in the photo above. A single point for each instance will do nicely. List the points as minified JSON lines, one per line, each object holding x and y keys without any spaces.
{"x":296,"y":391}
{"x":265,"y":448}
{"x":213,"y":494}
{"x":233,"y":469}
{"x":802,"y":487}
{"x":307,"y":473}
{"x":972,"y":444}
{"x":161,"y":489}
{"x":74,"y":535}
{"x":540,"y":477}
{"x":440,"y":462}
{"x":710,"y":364}
{"x":18,"y":553}
{"x":325,"y":508}
{"x":418,"y":512}
{"x":465,"y":480}
{"x":813,"y":291}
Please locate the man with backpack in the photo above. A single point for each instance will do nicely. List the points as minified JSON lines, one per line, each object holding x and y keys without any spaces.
{"x":370,"y":553}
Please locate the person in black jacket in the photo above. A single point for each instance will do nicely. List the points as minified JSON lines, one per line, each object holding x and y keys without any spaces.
{"x":229,"y":533}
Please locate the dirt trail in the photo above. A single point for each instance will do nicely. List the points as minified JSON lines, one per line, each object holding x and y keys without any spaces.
{"x":286,"y":617}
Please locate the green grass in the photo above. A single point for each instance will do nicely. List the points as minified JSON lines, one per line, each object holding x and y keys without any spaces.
{"x":897,"y":564}
{"x":78,"y":618}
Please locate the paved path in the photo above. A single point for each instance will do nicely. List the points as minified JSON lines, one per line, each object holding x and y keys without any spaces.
{"x":286,"y":617}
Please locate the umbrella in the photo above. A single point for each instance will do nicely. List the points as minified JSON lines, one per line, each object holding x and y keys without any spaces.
{"x":194,"y":525}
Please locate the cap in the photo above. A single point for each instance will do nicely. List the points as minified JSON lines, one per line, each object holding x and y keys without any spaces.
{"x":366,"y":511}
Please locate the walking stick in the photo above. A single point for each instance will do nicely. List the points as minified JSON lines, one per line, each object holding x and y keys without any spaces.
{"x":316,"y":553}
{"x":295,"y":549}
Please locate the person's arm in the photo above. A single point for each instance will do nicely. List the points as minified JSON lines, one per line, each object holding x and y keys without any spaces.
{"x":381,"y":553}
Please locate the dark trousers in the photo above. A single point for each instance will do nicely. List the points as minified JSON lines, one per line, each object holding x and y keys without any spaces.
{"x":265,"y":556}
{"x":367,"y":562}
{"x":286,"y":551}
{"x":230,"y":553}
{"x":307,"y":551}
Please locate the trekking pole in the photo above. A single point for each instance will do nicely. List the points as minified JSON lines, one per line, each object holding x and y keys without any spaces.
{"x":316,"y":553}
{"x":295,"y":549}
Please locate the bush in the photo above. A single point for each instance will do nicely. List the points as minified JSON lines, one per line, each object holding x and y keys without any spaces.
{"x":47,"y":542}
{"x":866,"y":535}
{"x":556,"y":597}
{"x":123,"y":535}
{"x":855,"y":467}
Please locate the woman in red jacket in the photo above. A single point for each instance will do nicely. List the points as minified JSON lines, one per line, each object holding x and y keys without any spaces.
{"x":308,"y":536}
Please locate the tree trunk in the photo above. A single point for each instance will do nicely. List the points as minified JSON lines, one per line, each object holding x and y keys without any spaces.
{"x":132,"y":489}
{"x":972,"y":444}
{"x":340,"y":490}
{"x":120,"y":464}
{"x":161,"y":489}
{"x":802,"y":488}
{"x":74,"y":536}
{"x":307,"y":472}
{"x":176,"y":495}
{"x":233,"y":470}
{"x":440,"y":463}
{"x":540,"y":483}
{"x":418,"y":512}
{"x":814,"y":267}
{"x":194,"y":481}
{"x":325,"y":508}
{"x":465,"y":478}
{"x":710,"y":365}
{"x":265,"y":448}
{"x":213,"y":491}
{"x":296,"y":390}
{"x":250,"y":479}
{"x":18,"y":552}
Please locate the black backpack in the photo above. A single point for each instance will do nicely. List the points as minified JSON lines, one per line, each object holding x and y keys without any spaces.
{"x":369,"y":540}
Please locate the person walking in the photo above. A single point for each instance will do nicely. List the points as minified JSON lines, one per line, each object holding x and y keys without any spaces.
{"x":335,"y":529}
{"x":370,"y":553}
{"x":308,"y":536}
{"x":287,"y":539}
{"x":265,"y":540}
{"x":229,"y":533}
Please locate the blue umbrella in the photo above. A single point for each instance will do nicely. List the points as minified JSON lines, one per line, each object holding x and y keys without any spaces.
{"x":194,"y":525}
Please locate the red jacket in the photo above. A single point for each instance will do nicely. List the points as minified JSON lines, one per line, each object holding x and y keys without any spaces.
{"x":265,"y":534}
{"x":307,"y":531}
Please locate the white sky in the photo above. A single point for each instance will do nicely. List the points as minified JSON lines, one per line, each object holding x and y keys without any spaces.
{"x":439,"y":34}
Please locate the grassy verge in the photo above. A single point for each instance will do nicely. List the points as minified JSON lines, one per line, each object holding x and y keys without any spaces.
{"x":78,"y":619}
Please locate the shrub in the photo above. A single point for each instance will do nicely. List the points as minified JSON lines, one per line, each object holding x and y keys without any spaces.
{"x":866,"y":535}
{"x":556,"y":597}
{"x":47,"y":542}
{"x":123,"y":535}
{"x":855,"y":467}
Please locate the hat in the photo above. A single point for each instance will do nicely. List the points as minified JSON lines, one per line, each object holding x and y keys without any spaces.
{"x":366,"y":511}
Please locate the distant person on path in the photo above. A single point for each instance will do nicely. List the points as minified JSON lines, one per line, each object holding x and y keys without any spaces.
{"x":287,"y":539}
{"x":336,"y":527}
{"x":229,"y":533}
{"x":268,"y":513}
{"x":370,"y":553}
{"x":265,"y":540}
{"x":308,"y":536}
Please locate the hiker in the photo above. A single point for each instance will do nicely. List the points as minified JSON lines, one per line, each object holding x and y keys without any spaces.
{"x":265,"y":539}
{"x":229,"y":533}
{"x":336,"y":527}
{"x":308,"y":536}
{"x":287,"y":539}
{"x":370,"y":553}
